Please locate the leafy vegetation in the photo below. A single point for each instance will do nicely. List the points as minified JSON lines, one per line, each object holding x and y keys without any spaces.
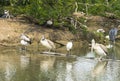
{"x":61,"y":10}
{"x":56,"y":8}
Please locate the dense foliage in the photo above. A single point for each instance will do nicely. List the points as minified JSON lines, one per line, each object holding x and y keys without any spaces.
{"x":65,"y":6}
{"x":56,"y":8}
{"x":60,"y":10}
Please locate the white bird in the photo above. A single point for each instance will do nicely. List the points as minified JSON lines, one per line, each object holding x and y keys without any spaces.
{"x":100,"y":49}
{"x":25,"y":40}
{"x":107,"y":37}
{"x":24,"y":37}
{"x":49,"y":22}
{"x":25,"y":43}
{"x":47,"y":43}
{"x":69,"y":46}
{"x":101,"y":30}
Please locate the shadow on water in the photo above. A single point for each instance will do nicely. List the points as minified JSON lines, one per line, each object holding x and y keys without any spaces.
{"x":20,"y":66}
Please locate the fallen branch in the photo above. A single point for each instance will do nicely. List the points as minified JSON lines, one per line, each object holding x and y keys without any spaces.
{"x":58,"y":54}
{"x":59,"y":43}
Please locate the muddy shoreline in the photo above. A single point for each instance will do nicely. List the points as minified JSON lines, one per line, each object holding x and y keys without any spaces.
{"x":12,"y":29}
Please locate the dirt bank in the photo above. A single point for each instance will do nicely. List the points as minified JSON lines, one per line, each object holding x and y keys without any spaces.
{"x":10,"y":31}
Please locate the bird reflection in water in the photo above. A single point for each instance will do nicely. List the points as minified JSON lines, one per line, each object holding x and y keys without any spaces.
{"x":47,"y":63}
{"x":25,"y":60}
{"x":99,"y":68}
{"x":10,"y":71}
{"x":7,"y":67}
{"x":68,"y":72}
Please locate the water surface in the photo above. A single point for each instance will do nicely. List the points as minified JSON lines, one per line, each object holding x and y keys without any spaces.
{"x":17,"y":65}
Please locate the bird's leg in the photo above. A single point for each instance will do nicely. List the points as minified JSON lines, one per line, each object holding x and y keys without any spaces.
{"x":68,"y":53}
{"x":100,"y":59}
{"x":25,"y":49}
{"x":21,"y":48}
{"x":49,"y":50}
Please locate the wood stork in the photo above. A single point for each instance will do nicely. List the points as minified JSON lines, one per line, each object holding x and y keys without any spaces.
{"x":99,"y":49}
{"x":25,"y":40}
{"x":69,"y":46}
{"x":47,"y":43}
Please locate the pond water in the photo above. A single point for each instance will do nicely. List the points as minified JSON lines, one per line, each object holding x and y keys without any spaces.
{"x":17,"y":65}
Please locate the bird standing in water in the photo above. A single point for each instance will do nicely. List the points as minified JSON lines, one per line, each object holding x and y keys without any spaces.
{"x":69,"y":46}
{"x":47,"y":43}
{"x":112,"y":34}
{"x":25,"y":40}
{"x":100,"y":49}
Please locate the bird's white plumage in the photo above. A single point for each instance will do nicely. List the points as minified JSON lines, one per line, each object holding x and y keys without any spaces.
{"x":101,"y":30}
{"x":23,"y":42}
{"x":69,"y":46}
{"x":49,"y":22}
{"x":100,"y":49}
{"x":24,"y":37}
{"x":107,"y":37}
{"x":47,"y":43}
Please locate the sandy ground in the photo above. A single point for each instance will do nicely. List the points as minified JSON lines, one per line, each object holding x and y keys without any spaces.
{"x":10,"y":31}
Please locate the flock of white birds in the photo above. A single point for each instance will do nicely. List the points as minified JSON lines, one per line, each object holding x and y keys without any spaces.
{"x":25,"y":40}
{"x":99,"y":49}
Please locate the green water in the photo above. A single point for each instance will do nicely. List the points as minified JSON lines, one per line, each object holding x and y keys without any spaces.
{"x":30,"y":65}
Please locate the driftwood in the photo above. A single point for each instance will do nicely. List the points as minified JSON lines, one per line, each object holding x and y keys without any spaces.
{"x":74,"y":56}
{"x":58,"y":54}
{"x":61,"y":44}
{"x":53,"y":53}
{"x":103,"y":59}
